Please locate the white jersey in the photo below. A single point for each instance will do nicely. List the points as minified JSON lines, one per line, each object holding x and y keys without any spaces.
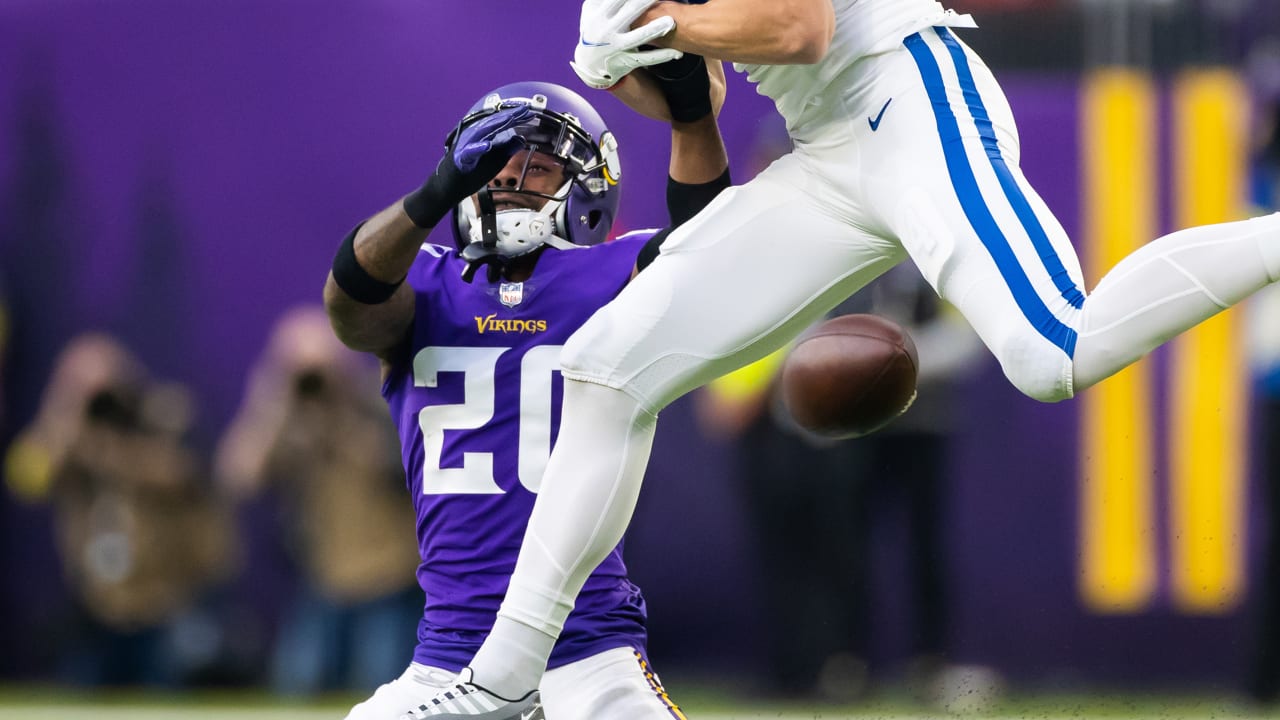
{"x":863,"y":27}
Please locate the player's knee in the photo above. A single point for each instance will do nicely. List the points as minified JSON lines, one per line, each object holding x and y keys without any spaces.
{"x":590,"y":355}
{"x":1040,"y":387}
{"x":594,"y":355}
{"x":1038,"y":370}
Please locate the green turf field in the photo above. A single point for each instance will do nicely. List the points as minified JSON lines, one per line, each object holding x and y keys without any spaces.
{"x":46,"y":704}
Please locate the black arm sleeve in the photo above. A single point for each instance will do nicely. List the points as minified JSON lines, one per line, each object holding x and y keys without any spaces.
{"x":683,"y":202}
{"x":649,"y":252}
{"x":685,"y":86}
{"x":354,"y":280}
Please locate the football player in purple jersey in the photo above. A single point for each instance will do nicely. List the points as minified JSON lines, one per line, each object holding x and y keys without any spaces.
{"x":469,"y":338}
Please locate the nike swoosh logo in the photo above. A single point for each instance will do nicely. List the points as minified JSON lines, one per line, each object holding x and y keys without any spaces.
{"x":875,"y":124}
{"x":588,"y":43}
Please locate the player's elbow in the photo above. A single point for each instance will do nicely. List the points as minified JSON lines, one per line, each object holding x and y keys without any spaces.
{"x":365,"y":328}
{"x":808,"y":33}
{"x":348,"y":332}
{"x":802,"y":51}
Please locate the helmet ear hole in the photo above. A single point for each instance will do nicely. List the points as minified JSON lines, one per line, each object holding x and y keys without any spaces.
{"x":593,"y":218}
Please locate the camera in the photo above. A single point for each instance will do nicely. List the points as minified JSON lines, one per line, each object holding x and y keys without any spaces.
{"x":116,"y":407}
{"x":310,"y":385}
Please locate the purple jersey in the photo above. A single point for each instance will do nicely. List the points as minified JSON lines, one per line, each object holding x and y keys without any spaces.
{"x":476,"y":398}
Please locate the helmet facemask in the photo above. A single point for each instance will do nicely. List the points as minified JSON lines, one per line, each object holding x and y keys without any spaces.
{"x":514,"y":220}
{"x":506,"y":221}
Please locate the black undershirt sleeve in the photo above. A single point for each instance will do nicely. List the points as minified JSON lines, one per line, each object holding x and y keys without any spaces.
{"x":684,"y":200}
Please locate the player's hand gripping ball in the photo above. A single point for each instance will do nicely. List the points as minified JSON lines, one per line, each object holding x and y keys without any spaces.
{"x":851,"y":376}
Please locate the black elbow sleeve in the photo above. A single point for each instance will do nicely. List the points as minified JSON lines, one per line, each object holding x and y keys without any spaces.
{"x":685,"y":200}
{"x":652,"y":246}
{"x":354,"y":280}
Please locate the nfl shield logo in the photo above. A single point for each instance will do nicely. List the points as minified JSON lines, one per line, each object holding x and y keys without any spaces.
{"x":511,"y":294}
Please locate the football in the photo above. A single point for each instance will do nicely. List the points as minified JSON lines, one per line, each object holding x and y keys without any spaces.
{"x":850,"y":376}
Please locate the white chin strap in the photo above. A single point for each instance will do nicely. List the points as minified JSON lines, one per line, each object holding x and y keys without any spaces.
{"x":521,"y":230}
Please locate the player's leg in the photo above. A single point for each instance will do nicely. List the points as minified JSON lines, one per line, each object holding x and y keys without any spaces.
{"x":1170,"y":285}
{"x":757,"y":266}
{"x":989,"y":244}
{"x":617,"y":683}
{"x":940,"y":172}
{"x":760,"y":264}
{"x":948,"y":188}
{"x":589,"y":490}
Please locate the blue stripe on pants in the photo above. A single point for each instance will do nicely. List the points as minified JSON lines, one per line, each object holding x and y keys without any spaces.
{"x":1039,"y":239}
{"x":974,"y":204}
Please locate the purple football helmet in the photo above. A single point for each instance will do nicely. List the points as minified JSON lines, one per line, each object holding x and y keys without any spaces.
{"x":565,"y":126}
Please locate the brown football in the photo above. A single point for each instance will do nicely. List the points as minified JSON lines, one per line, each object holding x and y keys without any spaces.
{"x":850,"y":376}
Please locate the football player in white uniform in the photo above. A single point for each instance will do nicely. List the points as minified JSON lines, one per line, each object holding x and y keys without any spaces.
{"x":904,"y":146}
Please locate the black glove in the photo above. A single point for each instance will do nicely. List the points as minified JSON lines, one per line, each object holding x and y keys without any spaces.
{"x":474,"y":157}
{"x":686,"y":87}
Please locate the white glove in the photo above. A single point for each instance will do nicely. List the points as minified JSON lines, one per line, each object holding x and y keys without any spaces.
{"x":607,"y":45}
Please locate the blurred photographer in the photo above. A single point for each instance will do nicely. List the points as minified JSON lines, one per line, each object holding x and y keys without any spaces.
{"x":138,"y":530}
{"x":312,"y":432}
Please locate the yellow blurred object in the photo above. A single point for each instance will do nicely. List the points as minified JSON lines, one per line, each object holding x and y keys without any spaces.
{"x":750,"y":380}
{"x":28,"y":470}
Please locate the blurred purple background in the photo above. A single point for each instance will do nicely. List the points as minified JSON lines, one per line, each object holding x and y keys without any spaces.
{"x":179,"y":172}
